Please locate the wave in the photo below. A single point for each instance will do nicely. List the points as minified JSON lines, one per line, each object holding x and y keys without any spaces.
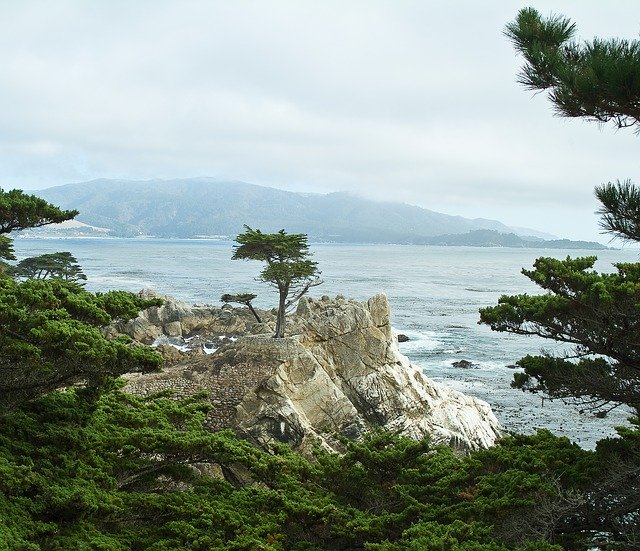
{"x":420,"y":341}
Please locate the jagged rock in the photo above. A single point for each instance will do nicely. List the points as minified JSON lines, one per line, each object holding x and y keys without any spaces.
{"x":343,"y":374}
{"x":402,"y":337}
{"x":340,"y":373}
{"x":170,"y":353}
{"x":139,"y":329}
{"x":464,"y":364}
{"x":175,"y":319}
{"x":172,"y":329}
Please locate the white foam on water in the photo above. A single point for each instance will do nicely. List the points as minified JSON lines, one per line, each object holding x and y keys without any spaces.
{"x":209,"y":349}
{"x":176,"y":342}
{"x":420,"y":341}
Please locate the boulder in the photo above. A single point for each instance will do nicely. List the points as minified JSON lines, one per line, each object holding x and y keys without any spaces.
{"x":464,"y":364}
{"x":172,"y":329}
{"x":175,"y":319}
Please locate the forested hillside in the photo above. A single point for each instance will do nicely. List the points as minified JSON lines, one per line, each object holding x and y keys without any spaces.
{"x":206,"y":207}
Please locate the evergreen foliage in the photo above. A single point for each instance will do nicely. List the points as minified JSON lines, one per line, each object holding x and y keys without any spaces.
{"x":91,"y":467}
{"x":598,"y":80}
{"x":19,"y":211}
{"x":242,"y":298}
{"x":288,"y":266}
{"x":60,"y":265}
{"x":620,"y":209}
{"x":120,"y":472}
{"x":50,"y":337}
{"x":596,"y":315}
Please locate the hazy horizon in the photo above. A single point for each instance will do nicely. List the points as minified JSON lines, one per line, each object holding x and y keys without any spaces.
{"x":406,"y":101}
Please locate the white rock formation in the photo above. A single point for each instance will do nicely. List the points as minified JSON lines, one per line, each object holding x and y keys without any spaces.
{"x":341,"y":373}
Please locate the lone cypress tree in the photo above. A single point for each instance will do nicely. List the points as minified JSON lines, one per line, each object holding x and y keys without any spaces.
{"x":288,"y":266}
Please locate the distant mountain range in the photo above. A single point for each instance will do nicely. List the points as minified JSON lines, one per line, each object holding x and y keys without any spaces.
{"x":204,"y":207}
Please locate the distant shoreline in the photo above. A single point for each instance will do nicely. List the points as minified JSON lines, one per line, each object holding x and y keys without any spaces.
{"x":546,"y":245}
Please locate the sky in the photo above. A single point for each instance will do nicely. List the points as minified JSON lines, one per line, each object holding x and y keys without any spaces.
{"x":398,"y":100}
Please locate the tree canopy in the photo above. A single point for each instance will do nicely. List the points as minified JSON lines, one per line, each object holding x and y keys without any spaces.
{"x":60,"y":265}
{"x":596,"y":315}
{"x":50,"y":337}
{"x":50,"y":329}
{"x":288,"y":266}
{"x":242,"y":298}
{"x":597,"y":80}
{"x":19,"y":211}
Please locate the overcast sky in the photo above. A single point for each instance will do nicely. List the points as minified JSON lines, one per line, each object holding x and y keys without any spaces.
{"x":412,"y":101}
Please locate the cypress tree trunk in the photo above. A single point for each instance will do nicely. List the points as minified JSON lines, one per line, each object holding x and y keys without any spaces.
{"x":284,"y":291}
{"x":254,"y":312}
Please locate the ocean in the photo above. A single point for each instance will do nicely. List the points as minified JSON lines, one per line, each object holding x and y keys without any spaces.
{"x":434,"y":293}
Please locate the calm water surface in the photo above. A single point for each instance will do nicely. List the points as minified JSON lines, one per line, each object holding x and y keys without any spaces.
{"x":434,"y":292}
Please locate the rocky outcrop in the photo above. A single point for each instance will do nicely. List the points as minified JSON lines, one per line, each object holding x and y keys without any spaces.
{"x":178,"y":319}
{"x":340,"y":374}
{"x":182,"y":331}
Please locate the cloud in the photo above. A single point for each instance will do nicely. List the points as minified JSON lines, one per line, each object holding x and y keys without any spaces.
{"x":414,"y":101}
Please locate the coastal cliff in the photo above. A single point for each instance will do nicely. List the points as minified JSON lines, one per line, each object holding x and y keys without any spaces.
{"x":339,"y":374}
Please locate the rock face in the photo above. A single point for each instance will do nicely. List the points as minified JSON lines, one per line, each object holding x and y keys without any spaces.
{"x":342,"y":373}
{"x":179,"y":329}
{"x":339,"y":374}
{"x":178,"y":319}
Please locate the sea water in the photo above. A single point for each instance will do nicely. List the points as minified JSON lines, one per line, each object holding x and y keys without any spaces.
{"x":434,"y":293}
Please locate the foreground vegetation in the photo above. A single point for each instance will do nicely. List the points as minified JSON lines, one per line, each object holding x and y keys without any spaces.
{"x":81,"y":471}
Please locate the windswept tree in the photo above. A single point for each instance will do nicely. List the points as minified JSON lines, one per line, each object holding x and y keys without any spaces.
{"x":596,"y":315}
{"x":61,"y":265}
{"x":242,"y":298}
{"x":288,"y":266}
{"x":19,"y":211}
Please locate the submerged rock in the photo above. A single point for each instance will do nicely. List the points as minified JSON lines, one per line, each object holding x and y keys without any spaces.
{"x":339,"y":374}
{"x":464,"y":364}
